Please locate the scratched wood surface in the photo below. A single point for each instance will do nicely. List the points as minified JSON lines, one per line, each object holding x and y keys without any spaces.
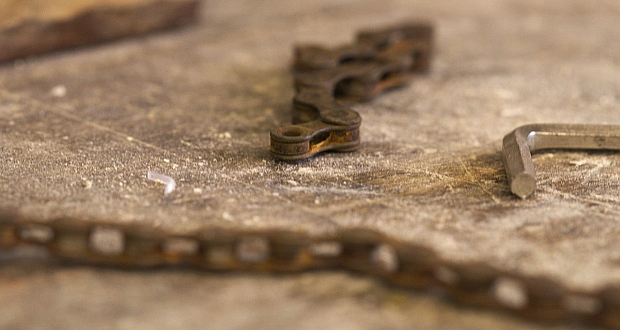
{"x":80,"y":129}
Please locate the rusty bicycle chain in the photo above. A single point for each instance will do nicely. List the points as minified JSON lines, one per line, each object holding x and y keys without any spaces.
{"x":404,"y":264}
{"x":324,"y":123}
{"x":327,"y":81}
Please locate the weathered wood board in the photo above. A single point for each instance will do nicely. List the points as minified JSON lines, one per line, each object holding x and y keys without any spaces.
{"x":32,"y":27}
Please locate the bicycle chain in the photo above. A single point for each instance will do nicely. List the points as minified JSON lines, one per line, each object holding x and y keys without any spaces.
{"x":327,"y":81}
{"x":404,"y":264}
{"x":326,"y":124}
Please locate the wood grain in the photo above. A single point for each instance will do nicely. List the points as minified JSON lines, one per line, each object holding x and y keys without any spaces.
{"x":32,"y":27}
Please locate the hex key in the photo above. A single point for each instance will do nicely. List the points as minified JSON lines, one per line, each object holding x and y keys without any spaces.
{"x":519,"y":145}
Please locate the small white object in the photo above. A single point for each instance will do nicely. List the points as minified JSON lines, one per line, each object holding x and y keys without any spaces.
{"x":59,"y":91}
{"x":326,"y":249}
{"x":510,"y":293}
{"x":87,"y":184}
{"x":385,"y":258}
{"x":168,"y":181}
{"x":107,"y":241}
{"x":225,"y":135}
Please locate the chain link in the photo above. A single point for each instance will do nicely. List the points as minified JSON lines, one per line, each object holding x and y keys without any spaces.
{"x":327,"y":81}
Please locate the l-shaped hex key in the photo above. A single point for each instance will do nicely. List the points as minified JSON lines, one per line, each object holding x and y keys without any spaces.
{"x":519,"y":145}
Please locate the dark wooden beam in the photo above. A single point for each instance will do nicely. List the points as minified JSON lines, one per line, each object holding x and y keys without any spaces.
{"x":31,"y":27}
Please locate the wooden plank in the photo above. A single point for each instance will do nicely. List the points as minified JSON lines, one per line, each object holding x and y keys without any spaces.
{"x":31,"y":27}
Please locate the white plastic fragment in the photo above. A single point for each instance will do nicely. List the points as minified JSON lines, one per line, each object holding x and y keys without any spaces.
{"x":168,"y":181}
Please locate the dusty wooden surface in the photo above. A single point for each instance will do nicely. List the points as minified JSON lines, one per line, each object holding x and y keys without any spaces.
{"x":80,"y":129}
{"x":31,"y":27}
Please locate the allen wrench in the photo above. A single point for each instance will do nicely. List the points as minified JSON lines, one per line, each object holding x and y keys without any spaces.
{"x":519,"y":145}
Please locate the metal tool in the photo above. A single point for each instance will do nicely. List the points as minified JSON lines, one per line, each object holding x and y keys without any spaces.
{"x":327,"y":80}
{"x":519,"y":145}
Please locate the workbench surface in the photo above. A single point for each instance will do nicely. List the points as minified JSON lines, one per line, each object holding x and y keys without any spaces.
{"x":80,"y":129}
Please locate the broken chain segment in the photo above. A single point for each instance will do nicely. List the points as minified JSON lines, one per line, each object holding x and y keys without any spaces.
{"x":327,"y":80}
{"x":519,"y":145}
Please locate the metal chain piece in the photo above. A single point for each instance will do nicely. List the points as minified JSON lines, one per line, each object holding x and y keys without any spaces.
{"x":327,"y":80}
{"x":404,"y":264}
